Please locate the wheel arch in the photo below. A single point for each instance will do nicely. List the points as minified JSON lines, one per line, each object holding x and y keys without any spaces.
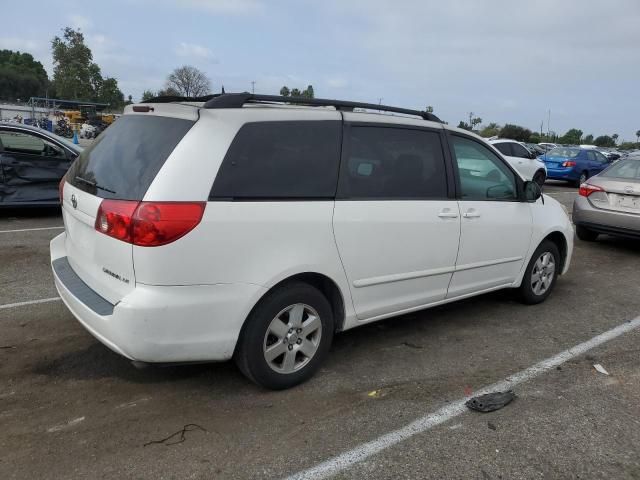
{"x":560,"y":241}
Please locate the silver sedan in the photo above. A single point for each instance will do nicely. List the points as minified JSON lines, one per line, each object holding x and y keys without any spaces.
{"x":610,"y":202}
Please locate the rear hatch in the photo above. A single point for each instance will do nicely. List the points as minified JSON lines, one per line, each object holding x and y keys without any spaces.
{"x":617,"y":194}
{"x":120,"y":165}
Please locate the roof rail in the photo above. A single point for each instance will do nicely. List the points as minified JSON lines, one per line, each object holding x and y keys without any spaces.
{"x":237,"y":100}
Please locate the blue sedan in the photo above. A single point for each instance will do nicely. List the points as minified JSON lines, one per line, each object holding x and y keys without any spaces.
{"x":574,"y":164}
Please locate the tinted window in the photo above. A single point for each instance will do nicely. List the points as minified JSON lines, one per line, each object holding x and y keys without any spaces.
{"x":281,"y":160}
{"x":504,"y":148}
{"x":483,"y":175}
{"x":123,"y":161}
{"x":520,"y":151}
{"x":393,"y":163}
{"x":601,"y":158}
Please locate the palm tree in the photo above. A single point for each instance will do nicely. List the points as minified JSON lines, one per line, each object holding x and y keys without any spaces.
{"x":615,"y":138}
{"x":637,"y":136}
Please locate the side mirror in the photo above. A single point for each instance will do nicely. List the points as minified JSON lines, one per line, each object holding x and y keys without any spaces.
{"x":532,"y":192}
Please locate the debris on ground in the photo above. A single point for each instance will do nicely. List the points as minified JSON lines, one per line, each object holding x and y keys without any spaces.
{"x":600,"y":368}
{"x":70,"y":423}
{"x":490,"y":402}
{"x":491,"y":426}
{"x":412,"y":345}
{"x":180,"y":434}
{"x":374,"y":393}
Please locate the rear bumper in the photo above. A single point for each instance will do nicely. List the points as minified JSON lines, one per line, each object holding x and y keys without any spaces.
{"x":160,"y":324}
{"x":562,"y":174}
{"x":605,"y":221}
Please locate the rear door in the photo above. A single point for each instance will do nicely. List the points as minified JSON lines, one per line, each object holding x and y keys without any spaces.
{"x":495,"y":227}
{"x":396,"y":221}
{"x":32,"y":167}
{"x":120,"y":165}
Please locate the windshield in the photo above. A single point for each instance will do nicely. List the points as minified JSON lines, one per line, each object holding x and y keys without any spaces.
{"x":563,"y":152}
{"x":624,"y":169}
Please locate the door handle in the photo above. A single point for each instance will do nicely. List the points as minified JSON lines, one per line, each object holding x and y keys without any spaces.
{"x":447,"y":214}
{"x":471,"y":214}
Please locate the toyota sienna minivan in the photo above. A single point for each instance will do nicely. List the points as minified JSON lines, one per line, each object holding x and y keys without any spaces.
{"x":256,"y":227}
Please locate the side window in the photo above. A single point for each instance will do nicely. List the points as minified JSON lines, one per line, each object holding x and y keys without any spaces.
{"x":504,"y":148}
{"x":393,"y":163}
{"x":281,"y":160}
{"x":22,"y":143}
{"x":519,"y":151}
{"x":591,"y":156}
{"x":483,"y":175}
{"x":601,"y":158}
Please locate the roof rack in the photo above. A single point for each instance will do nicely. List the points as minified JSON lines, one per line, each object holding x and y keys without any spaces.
{"x":238,"y":100}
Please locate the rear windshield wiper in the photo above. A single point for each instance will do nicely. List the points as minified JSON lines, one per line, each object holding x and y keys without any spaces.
{"x":93,"y":184}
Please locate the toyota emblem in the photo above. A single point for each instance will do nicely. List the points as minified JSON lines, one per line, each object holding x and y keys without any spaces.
{"x":74,"y":201}
{"x":628,"y":189}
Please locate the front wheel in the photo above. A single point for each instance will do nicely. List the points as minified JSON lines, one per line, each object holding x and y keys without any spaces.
{"x":541,"y":274}
{"x":286,"y":337}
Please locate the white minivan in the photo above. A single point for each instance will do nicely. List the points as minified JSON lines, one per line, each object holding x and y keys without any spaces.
{"x":256,"y":227}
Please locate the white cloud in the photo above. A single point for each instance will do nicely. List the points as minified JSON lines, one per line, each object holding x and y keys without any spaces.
{"x":80,"y":21}
{"x":192,"y":50}
{"x":230,"y":7}
{"x":21,"y":44}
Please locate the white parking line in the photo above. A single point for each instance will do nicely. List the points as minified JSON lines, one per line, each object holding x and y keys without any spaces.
{"x":31,"y":229}
{"x":30,"y":302}
{"x":349,"y":458}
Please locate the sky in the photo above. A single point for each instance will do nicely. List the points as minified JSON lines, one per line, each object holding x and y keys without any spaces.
{"x":505,"y":61}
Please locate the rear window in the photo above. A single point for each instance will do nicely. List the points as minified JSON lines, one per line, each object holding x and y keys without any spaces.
{"x":629,"y":169}
{"x":123,"y":161}
{"x":281,"y":160}
{"x":563,"y":152}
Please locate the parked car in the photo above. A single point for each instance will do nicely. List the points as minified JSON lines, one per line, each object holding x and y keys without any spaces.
{"x":523,"y":160}
{"x":537,"y":149}
{"x":610,"y":202}
{"x":547,"y":146}
{"x":32,"y":163}
{"x":574,"y":164}
{"x":216,"y":230}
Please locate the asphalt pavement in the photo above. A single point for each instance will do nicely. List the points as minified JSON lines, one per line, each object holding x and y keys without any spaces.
{"x":70,"y":408}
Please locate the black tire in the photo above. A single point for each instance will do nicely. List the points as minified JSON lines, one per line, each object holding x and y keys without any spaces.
{"x":540,"y":178}
{"x":585,"y":234}
{"x":526,"y":291}
{"x":584,"y":176}
{"x":250,"y":354}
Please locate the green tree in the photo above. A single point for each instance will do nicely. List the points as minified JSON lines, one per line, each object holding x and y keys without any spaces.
{"x":604,"y":141}
{"x":285,"y":92}
{"x":491,"y":130}
{"x":429,"y":109}
{"x":588,"y":139}
{"x":296,"y":92}
{"x":147,"y":95}
{"x":110,"y":93}
{"x":168,"y":92}
{"x":464,"y":125}
{"x":75,"y":76}
{"x":615,"y":138}
{"x":188,"y":81}
{"x":21,"y":76}
{"x":638,"y":136}
{"x":308,"y":92}
{"x":572,"y":137}
{"x":515,"y":132}
{"x":475,"y":121}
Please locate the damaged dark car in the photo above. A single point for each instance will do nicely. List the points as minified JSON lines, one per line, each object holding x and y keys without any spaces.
{"x":32,"y":163}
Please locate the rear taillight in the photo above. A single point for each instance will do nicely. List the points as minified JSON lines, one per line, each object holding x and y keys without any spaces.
{"x":61,"y":188}
{"x":587,"y":189}
{"x":148,"y":224}
{"x":569,"y":163}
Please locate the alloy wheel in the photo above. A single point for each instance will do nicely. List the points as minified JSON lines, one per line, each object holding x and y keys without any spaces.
{"x":543,"y":273}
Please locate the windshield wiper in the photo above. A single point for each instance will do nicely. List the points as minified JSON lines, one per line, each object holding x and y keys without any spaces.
{"x":93,"y":184}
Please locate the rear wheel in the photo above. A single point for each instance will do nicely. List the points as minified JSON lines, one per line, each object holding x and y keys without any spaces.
{"x":286,"y":337}
{"x":541,"y":274}
{"x":585,"y":234}
{"x":584,"y":176}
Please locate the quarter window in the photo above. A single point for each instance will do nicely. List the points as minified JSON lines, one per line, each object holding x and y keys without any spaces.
{"x":281,"y":160}
{"x":393,"y":163}
{"x":483,"y":175}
